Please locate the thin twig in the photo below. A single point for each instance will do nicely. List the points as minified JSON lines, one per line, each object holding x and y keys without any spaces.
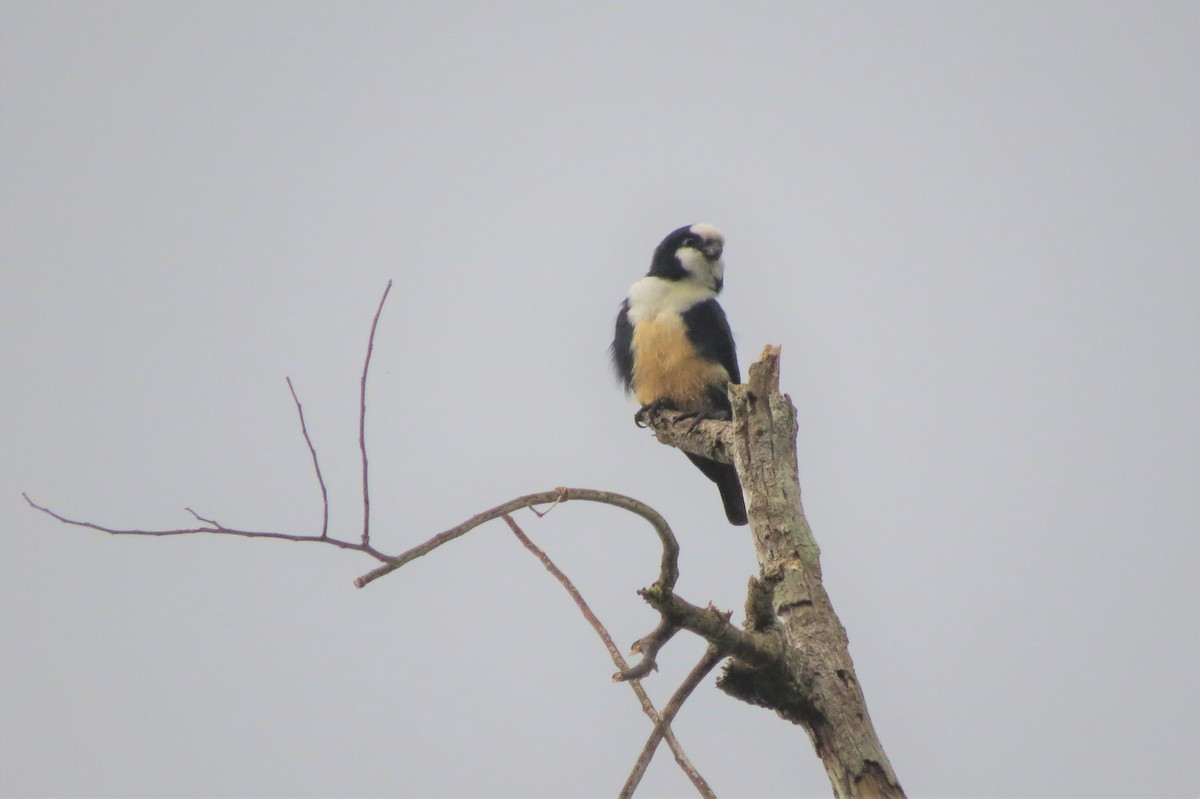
{"x":712,"y":656}
{"x":647,"y":706}
{"x":213,"y":531}
{"x":668,"y":570}
{"x":541,"y":514}
{"x":316,"y":464}
{"x":199,"y":518}
{"x":362,"y":419}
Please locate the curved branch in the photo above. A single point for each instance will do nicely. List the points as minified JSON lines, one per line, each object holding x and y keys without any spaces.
{"x":669,"y":568}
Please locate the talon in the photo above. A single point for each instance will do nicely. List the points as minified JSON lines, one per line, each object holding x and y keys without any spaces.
{"x":704,"y":416}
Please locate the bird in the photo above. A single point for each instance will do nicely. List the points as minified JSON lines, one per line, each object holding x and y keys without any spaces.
{"x":673,"y":348}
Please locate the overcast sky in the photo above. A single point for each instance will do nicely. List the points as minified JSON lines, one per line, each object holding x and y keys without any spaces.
{"x":972,"y":227}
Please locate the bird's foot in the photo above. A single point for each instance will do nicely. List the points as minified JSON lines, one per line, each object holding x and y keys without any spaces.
{"x":651,"y":409}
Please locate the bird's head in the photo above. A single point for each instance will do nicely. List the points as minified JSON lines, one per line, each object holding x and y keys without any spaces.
{"x":691,"y":253}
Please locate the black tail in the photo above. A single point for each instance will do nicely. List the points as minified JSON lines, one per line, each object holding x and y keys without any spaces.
{"x":725,"y":476}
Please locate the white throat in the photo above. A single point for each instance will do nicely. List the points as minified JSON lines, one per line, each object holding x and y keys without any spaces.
{"x":652,"y":297}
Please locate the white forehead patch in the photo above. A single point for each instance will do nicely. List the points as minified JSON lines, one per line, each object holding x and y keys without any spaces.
{"x":707,"y":232}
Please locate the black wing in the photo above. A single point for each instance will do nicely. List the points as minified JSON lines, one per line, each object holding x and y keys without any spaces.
{"x":622,"y":348}
{"x":708,"y":330}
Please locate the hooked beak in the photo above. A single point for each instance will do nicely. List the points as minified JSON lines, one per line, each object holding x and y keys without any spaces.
{"x":712,"y":249}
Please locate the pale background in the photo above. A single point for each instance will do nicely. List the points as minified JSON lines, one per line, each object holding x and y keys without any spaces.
{"x":972,"y":227}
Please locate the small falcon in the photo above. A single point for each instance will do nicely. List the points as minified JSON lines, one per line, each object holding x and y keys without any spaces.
{"x":673,"y":348}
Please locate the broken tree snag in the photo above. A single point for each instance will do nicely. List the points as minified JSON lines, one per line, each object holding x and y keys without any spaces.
{"x":817,"y":687}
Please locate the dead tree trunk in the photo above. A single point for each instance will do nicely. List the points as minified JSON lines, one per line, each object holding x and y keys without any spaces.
{"x":811,"y":680}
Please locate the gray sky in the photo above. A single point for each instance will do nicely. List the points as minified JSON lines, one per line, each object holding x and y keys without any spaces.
{"x":972,"y":228}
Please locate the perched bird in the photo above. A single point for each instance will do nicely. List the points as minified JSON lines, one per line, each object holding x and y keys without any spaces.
{"x":673,"y":348}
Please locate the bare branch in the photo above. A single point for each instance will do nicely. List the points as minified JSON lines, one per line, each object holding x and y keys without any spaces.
{"x":712,"y":656}
{"x":648,"y":646}
{"x":663,"y":728}
{"x":316,"y":464}
{"x":362,"y":420}
{"x":218,"y":530}
{"x":669,"y":569}
{"x":759,"y":649}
